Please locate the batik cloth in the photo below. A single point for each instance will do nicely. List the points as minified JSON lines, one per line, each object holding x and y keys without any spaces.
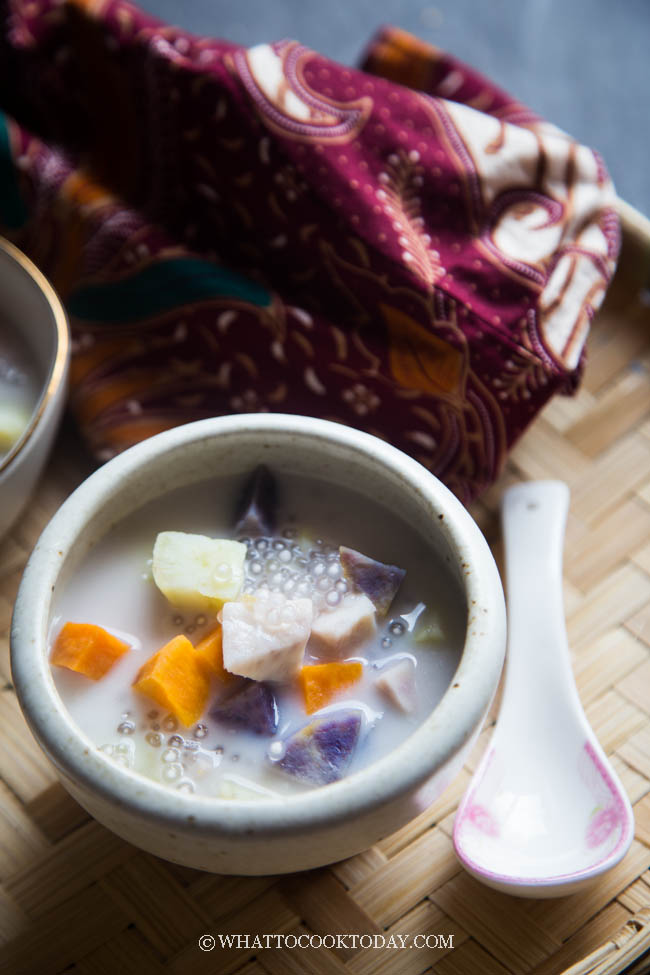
{"x":403,"y":248}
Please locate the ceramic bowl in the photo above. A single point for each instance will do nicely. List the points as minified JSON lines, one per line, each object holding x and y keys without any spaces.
{"x":315,"y":827}
{"x":30,"y":306}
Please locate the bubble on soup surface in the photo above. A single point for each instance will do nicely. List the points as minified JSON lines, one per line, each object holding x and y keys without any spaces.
{"x":172,"y":772}
{"x":126,"y":728}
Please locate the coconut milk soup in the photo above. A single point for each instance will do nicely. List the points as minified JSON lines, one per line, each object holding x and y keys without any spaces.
{"x":242,"y":640}
{"x":18,"y":390}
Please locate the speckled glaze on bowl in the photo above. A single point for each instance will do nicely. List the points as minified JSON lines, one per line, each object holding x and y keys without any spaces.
{"x":30,"y":305}
{"x":315,"y":827}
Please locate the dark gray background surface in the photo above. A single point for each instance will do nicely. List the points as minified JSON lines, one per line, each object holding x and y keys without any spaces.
{"x":582,"y":64}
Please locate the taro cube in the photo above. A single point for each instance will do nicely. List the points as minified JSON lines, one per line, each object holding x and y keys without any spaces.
{"x":397,"y":684}
{"x":264,"y":636}
{"x":339,"y":630}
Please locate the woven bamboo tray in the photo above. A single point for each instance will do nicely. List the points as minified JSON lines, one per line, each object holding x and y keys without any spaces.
{"x":75,"y":898}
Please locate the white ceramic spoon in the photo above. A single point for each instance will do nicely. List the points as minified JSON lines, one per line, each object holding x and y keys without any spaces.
{"x":544,"y":813}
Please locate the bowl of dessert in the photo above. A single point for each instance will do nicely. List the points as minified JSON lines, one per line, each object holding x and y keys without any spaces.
{"x":34,"y":353}
{"x":258,"y":643}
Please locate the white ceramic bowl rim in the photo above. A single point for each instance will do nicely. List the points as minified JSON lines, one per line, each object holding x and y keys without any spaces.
{"x":58,"y":368}
{"x":456,"y":717}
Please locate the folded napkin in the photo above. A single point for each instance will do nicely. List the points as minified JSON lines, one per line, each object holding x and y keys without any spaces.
{"x":403,"y":249}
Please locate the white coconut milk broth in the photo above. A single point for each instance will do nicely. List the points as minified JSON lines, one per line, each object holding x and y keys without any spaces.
{"x":113,"y":588}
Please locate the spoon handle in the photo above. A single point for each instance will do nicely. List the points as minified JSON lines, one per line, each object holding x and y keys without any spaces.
{"x":534,"y":519}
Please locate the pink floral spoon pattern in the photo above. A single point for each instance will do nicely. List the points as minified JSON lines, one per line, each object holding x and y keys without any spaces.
{"x":545,"y":813}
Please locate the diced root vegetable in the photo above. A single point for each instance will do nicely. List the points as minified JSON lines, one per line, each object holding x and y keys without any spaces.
{"x":397,"y":684}
{"x":339,"y":630}
{"x":264,"y":637}
{"x":321,"y":682}
{"x":256,"y":515}
{"x":378,"y":580}
{"x":87,"y":649}
{"x":174,"y":678}
{"x":252,"y":708}
{"x":195,"y":572}
{"x":322,"y":751}
{"x":209,"y":654}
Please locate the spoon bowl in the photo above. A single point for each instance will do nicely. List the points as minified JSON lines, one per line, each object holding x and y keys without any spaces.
{"x":545,"y":813}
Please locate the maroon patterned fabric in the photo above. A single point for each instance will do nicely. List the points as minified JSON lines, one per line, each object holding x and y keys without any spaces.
{"x":416,"y":255}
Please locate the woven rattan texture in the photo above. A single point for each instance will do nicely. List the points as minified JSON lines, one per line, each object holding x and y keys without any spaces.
{"x":75,"y":898}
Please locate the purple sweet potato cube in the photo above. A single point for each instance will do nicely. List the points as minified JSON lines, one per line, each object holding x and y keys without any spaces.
{"x":378,"y":580}
{"x":321,"y":751}
{"x":252,"y":708}
{"x":256,"y":514}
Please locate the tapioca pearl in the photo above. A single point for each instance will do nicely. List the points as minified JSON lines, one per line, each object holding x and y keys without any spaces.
{"x":126,"y":728}
{"x":249,"y":587}
{"x":276,"y":750}
{"x":170,"y":755}
{"x":169,"y":723}
{"x":319,"y":569}
{"x":261,"y":544}
{"x":324,"y":584}
{"x":397,"y":628}
{"x":256,"y":567}
{"x":303,"y":589}
{"x":272,"y":566}
{"x":201,"y":730}
{"x":172,"y":772}
{"x":333,"y":598}
{"x":154,"y":739}
{"x":175,"y":741}
{"x":386,"y":642}
{"x":289,"y":586}
{"x":218,"y":749}
{"x":334,"y":570}
{"x":203,"y":764}
{"x":279,"y":545}
{"x":285,"y":556}
{"x":245,"y":540}
{"x":341,"y":586}
{"x":200,"y":620}
{"x":177,"y":620}
{"x":186,"y":786}
{"x":152,"y":715}
{"x":107,"y":749}
{"x":190,"y":628}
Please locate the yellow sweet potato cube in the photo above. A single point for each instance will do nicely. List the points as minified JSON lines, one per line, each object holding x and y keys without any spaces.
{"x":175,"y":678}
{"x":87,"y":649}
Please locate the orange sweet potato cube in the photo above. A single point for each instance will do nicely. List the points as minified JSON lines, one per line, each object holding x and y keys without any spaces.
{"x":209,"y":653}
{"x":175,"y":678}
{"x":321,"y":682}
{"x":88,"y":649}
